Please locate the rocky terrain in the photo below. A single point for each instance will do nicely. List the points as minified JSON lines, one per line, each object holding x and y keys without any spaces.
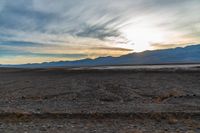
{"x":58,"y":100}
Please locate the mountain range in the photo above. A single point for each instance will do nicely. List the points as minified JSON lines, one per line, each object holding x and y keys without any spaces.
{"x":189,"y":54}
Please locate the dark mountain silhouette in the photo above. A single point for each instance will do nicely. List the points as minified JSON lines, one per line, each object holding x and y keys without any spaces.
{"x":189,"y":54}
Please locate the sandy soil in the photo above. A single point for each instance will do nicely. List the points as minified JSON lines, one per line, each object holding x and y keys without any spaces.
{"x":84,"y":100}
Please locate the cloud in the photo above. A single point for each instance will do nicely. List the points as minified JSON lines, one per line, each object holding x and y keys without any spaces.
{"x":5,"y":51}
{"x":2,"y":3}
{"x":98,"y":31}
{"x":73,"y":27}
{"x":20,"y":43}
{"x":113,"y":49}
{"x":167,"y":46}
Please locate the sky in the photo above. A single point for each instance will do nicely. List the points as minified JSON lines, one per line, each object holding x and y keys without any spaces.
{"x":35,"y":31}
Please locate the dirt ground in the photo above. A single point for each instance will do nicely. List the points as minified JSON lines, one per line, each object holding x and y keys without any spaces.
{"x":102,"y":101}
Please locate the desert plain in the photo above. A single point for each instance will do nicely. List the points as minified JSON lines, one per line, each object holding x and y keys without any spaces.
{"x":100,"y":100}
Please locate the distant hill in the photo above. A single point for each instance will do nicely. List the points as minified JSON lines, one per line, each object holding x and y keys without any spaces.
{"x":189,"y":54}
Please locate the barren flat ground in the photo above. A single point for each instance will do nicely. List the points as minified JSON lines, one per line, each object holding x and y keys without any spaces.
{"x":100,"y":100}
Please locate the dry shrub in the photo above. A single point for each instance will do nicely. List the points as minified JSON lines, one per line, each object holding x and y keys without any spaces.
{"x":167,"y":95}
{"x":172,"y":120}
{"x":193,"y":124}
